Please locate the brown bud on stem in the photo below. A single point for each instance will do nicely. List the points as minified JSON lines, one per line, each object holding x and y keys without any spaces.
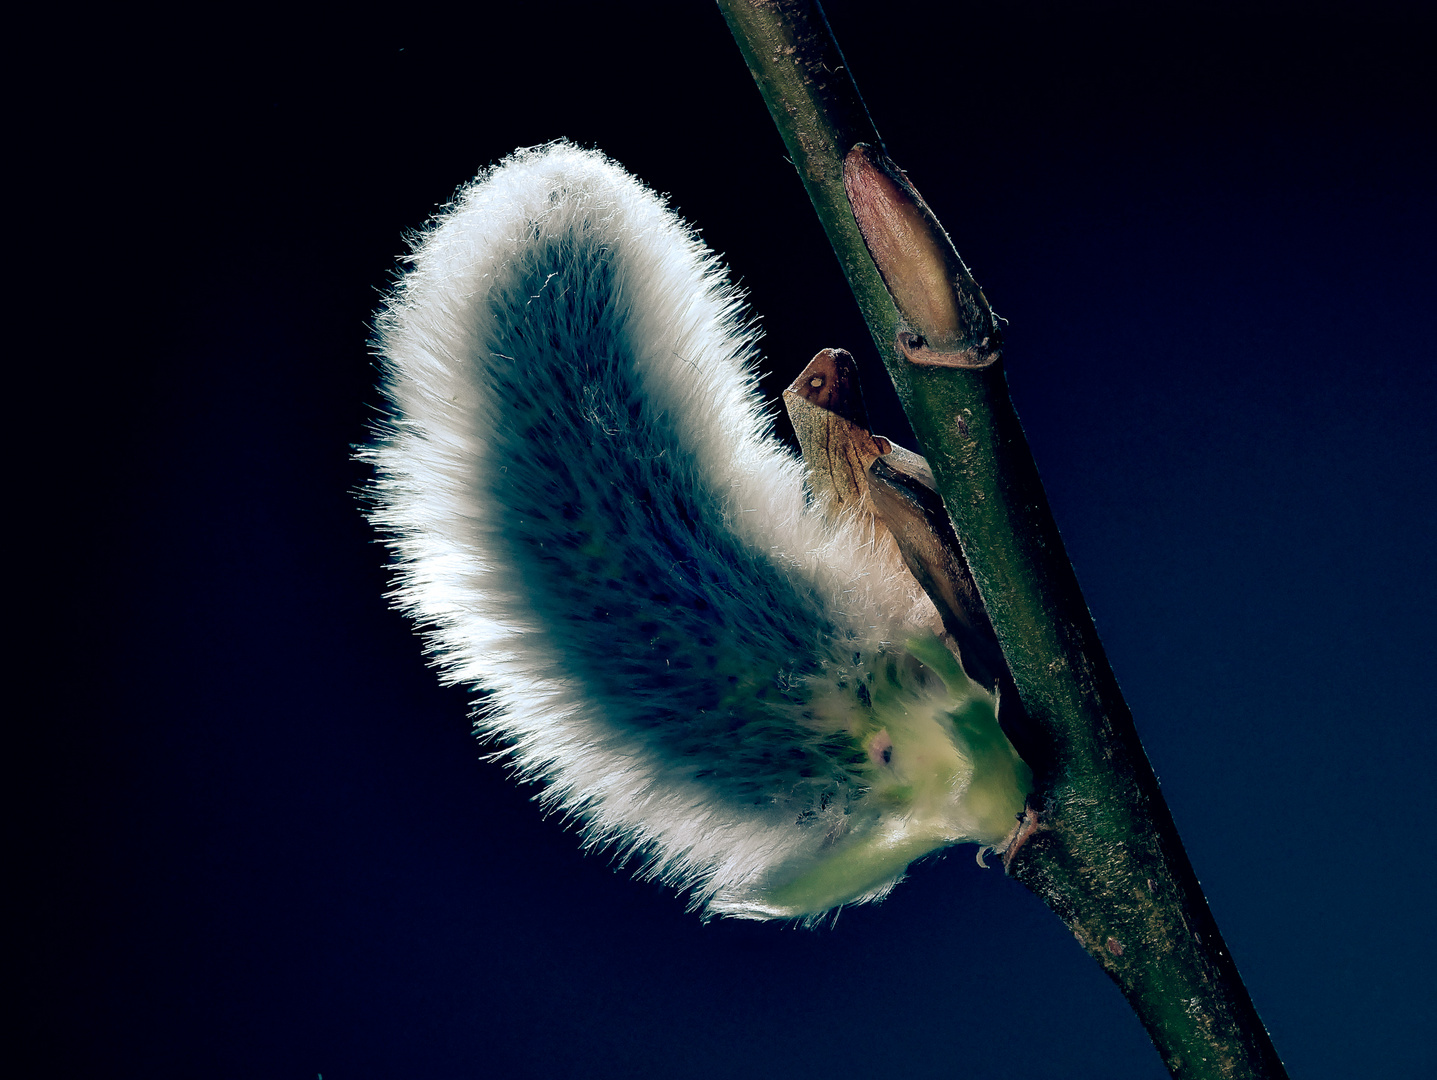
{"x":948,"y":322}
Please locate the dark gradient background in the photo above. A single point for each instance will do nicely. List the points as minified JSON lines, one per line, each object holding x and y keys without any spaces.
{"x":254,"y":838}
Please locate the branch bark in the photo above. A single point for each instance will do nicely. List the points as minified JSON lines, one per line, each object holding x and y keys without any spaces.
{"x":1097,"y":842}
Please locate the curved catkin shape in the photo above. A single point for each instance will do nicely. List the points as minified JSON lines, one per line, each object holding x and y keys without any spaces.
{"x":591,"y":520}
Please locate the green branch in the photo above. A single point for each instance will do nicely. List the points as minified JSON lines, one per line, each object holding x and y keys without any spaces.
{"x":1097,"y":842}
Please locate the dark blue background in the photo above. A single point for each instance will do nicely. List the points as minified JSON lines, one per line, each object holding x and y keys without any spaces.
{"x":255,"y":837}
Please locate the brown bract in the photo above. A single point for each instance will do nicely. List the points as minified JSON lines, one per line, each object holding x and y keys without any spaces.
{"x":825,"y":404}
{"x":849,"y":470}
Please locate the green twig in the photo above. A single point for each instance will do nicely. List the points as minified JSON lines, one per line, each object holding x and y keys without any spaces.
{"x":1097,"y":843}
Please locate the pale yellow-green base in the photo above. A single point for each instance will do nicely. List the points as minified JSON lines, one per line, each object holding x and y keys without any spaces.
{"x":940,"y":770}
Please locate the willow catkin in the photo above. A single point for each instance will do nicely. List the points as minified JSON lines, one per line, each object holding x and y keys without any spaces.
{"x":593,"y":524}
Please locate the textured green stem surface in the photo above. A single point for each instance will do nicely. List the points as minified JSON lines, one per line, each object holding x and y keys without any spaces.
{"x":1099,"y":845}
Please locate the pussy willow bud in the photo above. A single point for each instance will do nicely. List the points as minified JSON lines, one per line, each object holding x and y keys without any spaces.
{"x":704,"y":666}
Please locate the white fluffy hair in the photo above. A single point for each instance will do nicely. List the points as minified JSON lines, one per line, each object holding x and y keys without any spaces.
{"x":591,"y":520}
